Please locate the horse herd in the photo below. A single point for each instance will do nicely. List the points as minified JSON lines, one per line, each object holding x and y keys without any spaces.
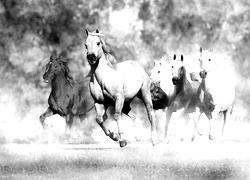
{"x":169,"y":89}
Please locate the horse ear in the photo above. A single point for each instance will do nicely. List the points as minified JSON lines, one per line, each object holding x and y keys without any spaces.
{"x":181,"y":57}
{"x":87,"y":32}
{"x":174,"y":58}
{"x":97,"y":31}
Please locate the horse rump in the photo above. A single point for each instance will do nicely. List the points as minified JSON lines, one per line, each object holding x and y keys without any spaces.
{"x":159,"y":97}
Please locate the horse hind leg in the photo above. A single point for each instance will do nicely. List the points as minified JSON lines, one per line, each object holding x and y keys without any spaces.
{"x":43,"y":116}
{"x":127,"y":110}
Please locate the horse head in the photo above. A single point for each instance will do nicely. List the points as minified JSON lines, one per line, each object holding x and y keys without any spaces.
{"x":206,"y":64}
{"x":56,"y":65}
{"x":160,"y":70}
{"x":96,"y":47}
{"x":178,"y":70}
{"x":52,"y":67}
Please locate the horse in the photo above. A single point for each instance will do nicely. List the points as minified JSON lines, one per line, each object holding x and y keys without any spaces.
{"x":216,"y":92}
{"x":159,"y":97}
{"x":181,"y":92}
{"x":116,"y":84}
{"x":68,"y":98}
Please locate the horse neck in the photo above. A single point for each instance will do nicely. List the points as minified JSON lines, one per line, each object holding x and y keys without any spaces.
{"x":101,"y":68}
{"x":182,"y":83}
{"x":59,"y":84}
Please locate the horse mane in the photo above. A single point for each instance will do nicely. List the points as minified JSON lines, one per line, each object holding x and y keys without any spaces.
{"x":109,"y":54}
{"x":66,"y":71}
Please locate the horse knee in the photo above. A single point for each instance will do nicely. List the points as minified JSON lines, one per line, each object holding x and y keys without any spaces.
{"x":117,"y":116}
{"x":42,"y":118}
{"x":99,"y":120}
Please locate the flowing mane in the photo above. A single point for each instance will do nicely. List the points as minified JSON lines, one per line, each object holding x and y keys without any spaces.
{"x":66,"y":71}
{"x":109,"y":54}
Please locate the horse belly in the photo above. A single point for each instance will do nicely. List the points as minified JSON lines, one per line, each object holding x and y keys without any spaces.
{"x":133,"y":77}
{"x":225,"y":99}
{"x":132,"y":85}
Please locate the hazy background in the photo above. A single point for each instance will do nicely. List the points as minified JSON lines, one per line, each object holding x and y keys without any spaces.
{"x":140,"y":30}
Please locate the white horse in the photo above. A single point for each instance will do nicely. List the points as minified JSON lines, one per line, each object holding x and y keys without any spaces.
{"x":216,"y":92}
{"x":180,"y":90}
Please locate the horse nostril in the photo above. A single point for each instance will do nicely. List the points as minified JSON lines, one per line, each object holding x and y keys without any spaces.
{"x":175,"y":80}
{"x":203,"y":74}
{"x":91,"y":57}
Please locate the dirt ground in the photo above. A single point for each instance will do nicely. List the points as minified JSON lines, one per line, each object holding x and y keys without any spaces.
{"x":208,"y":160}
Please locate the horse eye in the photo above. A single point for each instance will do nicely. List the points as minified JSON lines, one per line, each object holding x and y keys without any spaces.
{"x":159,"y":71}
{"x":86,"y":46}
{"x":98,"y":43}
{"x":209,"y":59}
{"x":172,"y":67}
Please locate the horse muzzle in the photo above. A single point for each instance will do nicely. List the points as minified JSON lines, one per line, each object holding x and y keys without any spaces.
{"x":92,"y":58}
{"x":203,"y":74}
{"x":175,"y":80}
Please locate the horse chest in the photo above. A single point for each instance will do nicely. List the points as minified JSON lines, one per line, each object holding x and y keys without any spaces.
{"x":207,"y":101}
{"x":60,"y":104}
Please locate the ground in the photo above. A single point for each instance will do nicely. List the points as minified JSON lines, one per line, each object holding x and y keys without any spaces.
{"x":177,"y":160}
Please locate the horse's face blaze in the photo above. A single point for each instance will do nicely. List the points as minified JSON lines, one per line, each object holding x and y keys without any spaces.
{"x":177,"y":70}
{"x":206,"y":63}
{"x":203,"y":74}
{"x":94,"y":49}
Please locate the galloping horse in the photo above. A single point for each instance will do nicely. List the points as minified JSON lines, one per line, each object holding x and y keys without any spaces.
{"x":116,"y":84}
{"x":216,"y":92}
{"x":181,"y":93}
{"x":67,"y":98}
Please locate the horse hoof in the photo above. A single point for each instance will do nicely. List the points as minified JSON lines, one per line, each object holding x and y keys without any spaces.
{"x":211,"y":137}
{"x":123,"y":143}
{"x":155,"y":142}
{"x":138,"y":138}
{"x":114,"y":136}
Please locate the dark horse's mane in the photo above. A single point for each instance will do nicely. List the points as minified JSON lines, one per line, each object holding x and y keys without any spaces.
{"x":109,"y":54}
{"x":64,"y":66}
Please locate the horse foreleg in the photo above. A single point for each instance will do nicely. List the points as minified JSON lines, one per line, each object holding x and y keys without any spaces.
{"x":175,"y":116}
{"x":119,"y":102}
{"x":212,"y":119}
{"x":69,"y":122}
{"x":101,"y":116}
{"x":168,"y":116}
{"x":226,"y":114}
{"x":43,"y":116}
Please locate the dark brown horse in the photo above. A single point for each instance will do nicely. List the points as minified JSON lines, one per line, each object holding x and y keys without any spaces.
{"x":159,"y":97}
{"x":68,"y":98}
